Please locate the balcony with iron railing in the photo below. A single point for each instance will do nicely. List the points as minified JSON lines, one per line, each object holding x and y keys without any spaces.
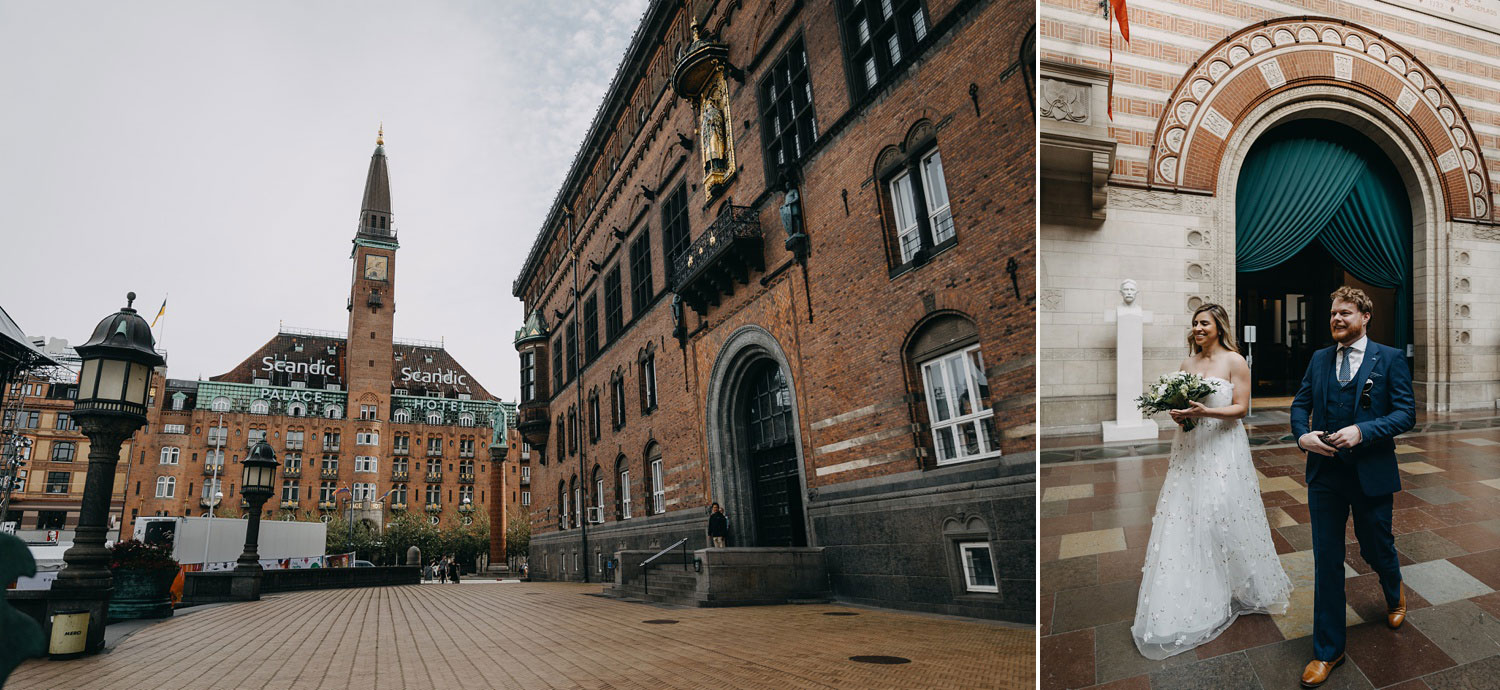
{"x":533,"y":422}
{"x":727,"y":251}
{"x":400,"y":450}
{"x":400,"y":475}
{"x":328,"y":505}
{"x":525,"y":480}
{"x":290,"y":505}
{"x":398,"y":506}
{"x":466,"y":453}
{"x":331,"y":447}
{"x":294,"y":445}
{"x":434,"y":476}
{"x":466,"y":478}
{"x":328,"y":473}
{"x":213,"y":470}
{"x":434,"y":508}
{"x":291,"y":472}
{"x":466,"y":508}
{"x":434,"y":452}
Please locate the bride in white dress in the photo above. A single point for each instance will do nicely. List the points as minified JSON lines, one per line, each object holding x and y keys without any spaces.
{"x":1210,"y":557}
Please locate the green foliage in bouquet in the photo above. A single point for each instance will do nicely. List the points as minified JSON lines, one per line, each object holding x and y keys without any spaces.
{"x":1174,"y":392}
{"x":136,"y":555}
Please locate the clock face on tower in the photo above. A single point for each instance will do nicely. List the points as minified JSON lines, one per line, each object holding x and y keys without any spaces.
{"x":375,"y":267}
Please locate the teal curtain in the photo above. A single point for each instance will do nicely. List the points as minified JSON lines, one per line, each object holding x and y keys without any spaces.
{"x":1305,"y":185}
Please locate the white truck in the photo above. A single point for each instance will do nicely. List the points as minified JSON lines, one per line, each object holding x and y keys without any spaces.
{"x":219,"y":541}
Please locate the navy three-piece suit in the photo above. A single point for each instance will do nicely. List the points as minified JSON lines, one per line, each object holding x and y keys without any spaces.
{"x":1361,"y":480}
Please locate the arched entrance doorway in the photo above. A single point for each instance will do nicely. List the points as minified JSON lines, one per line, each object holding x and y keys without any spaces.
{"x":1317,"y":205}
{"x":755,"y":449}
{"x":771,"y":454}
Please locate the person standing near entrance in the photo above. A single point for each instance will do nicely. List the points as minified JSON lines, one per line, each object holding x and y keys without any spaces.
{"x":1355,"y":399}
{"x":718,"y":526}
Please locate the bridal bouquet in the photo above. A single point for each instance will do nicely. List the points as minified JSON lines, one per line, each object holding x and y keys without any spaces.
{"x":1174,"y":391}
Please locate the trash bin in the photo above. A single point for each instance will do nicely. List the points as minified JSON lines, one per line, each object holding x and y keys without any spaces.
{"x":70,"y":633}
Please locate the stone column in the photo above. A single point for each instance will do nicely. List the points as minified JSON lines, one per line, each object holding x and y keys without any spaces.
{"x":498,"y":562}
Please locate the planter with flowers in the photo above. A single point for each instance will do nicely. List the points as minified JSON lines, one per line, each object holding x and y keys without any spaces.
{"x":143,"y":577}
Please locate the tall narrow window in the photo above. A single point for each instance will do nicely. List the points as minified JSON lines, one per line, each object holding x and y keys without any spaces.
{"x":648,"y":383}
{"x":614,"y":318}
{"x":658,"y":489}
{"x":641,"y":291}
{"x":787,"y":124}
{"x":880,"y":39}
{"x":528,"y":379}
{"x":166,"y":487}
{"x":674,"y":226}
{"x":912,"y":210}
{"x":625,"y":493}
{"x":591,"y":328}
{"x":593,"y":411}
{"x":572,"y":340}
{"x":557,"y":365}
{"x":617,"y":401}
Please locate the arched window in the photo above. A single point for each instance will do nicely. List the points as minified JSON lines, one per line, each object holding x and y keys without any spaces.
{"x":221,"y":404}
{"x":296,"y":409}
{"x":260,"y":407}
{"x":596,"y":499}
{"x":949,"y":366}
{"x":622,"y":488}
{"x":655,"y":473}
{"x":562,"y":505}
{"x":915,"y":192}
{"x":577,"y":496}
{"x":170,"y":455}
{"x":166,"y":487}
{"x":401,"y":416}
{"x":466,"y":419}
{"x":333,"y":412}
{"x":434,"y":417}
{"x":179,"y":400}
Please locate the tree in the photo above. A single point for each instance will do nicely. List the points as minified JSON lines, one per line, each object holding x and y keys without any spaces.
{"x":518,"y":536}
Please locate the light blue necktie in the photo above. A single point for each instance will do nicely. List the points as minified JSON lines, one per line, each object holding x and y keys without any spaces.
{"x":1344,"y":376}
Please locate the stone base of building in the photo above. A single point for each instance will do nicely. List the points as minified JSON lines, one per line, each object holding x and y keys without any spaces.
{"x":746,"y":576}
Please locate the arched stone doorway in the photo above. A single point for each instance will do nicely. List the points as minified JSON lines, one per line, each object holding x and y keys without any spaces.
{"x":756,"y":467}
{"x":1295,"y":68}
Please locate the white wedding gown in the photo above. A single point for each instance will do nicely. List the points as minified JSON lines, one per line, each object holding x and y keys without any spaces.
{"x":1210,"y":557}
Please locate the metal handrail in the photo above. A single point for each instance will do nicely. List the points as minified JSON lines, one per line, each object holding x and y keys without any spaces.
{"x":646,"y":564}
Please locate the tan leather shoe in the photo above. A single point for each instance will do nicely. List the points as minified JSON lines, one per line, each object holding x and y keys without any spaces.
{"x":1397,"y":615}
{"x":1317,"y":672}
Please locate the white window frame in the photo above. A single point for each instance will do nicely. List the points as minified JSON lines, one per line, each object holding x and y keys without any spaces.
{"x":466,"y":419}
{"x":367,"y":438}
{"x":363,"y":491}
{"x":650,"y":376}
{"x":290,"y":490}
{"x":599,"y":497}
{"x":401,"y":416}
{"x":333,"y":412}
{"x":624,"y":494}
{"x":974,"y":376}
{"x":166,"y":487}
{"x":434,"y":417}
{"x":170,"y":455}
{"x":658,"y":488}
{"x":963,"y":556}
{"x":174,"y":428}
{"x":179,"y":400}
{"x":260,"y":407}
{"x":296,"y":409}
{"x":221,"y":404}
{"x":904,"y":212}
{"x":366,"y":463}
{"x":368,"y":411}
{"x":939,"y":218}
{"x":526,"y":498}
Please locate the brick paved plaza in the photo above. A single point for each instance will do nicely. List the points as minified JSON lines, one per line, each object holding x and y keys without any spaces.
{"x":544,"y":635}
{"x":1097,"y":503}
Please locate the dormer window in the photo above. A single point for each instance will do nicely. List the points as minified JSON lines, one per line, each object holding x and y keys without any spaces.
{"x":297,"y":347}
{"x":427,"y":359}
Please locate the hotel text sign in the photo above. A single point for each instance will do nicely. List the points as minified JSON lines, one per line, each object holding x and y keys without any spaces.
{"x":447,"y":376}
{"x":319,"y":367}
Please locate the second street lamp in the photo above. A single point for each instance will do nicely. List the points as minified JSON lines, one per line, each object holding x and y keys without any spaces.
{"x":258,"y":483}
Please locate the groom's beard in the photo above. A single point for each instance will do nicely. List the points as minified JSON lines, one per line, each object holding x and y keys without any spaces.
{"x":1352,"y":332}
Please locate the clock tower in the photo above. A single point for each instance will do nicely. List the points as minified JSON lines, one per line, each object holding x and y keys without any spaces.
{"x":372,"y":294}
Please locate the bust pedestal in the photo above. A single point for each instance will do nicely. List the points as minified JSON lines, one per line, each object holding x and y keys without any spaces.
{"x":1128,"y":424}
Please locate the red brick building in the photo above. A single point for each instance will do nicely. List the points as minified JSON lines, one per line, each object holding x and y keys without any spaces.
{"x":398,"y":423}
{"x":848,"y":366}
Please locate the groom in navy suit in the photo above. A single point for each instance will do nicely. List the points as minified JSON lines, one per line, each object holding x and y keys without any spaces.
{"x":1355,"y":399}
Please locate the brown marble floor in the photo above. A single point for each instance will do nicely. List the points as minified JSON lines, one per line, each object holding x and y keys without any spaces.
{"x":1096,"y":519}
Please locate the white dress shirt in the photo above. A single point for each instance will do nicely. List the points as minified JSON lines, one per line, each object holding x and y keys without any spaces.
{"x":1356,"y":357}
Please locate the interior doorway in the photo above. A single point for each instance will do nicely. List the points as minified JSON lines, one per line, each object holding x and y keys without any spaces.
{"x":1318,"y":205}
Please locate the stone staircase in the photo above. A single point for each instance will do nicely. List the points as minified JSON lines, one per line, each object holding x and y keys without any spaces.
{"x":725,"y":577}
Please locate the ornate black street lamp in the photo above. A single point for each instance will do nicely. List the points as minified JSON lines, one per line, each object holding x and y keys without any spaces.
{"x":257,"y":484}
{"x":112,"y":389}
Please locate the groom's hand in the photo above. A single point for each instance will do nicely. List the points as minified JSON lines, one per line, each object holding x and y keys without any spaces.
{"x":1312,"y":442}
{"x":1346,"y":438}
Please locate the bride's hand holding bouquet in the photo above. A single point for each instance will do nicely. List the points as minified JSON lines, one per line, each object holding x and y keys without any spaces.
{"x":1177,"y":394}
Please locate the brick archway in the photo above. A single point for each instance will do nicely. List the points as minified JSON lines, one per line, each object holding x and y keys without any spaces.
{"x":1258,"y":62}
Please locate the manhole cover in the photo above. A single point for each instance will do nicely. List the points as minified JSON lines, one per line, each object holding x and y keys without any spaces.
{"x":660,"y":621}
{"x":880,"y":659}
{"x":840,"y":613}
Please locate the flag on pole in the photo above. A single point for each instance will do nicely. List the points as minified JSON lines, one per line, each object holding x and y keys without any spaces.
{"x":343,"y":490}
{"x":1115,"y":13}
{"x":160,"y":312}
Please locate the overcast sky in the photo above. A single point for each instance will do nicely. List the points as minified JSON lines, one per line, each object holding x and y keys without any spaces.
{"x":217,"y":151}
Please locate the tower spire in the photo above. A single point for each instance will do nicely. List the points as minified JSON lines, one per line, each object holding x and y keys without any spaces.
{"x":375,"y":209}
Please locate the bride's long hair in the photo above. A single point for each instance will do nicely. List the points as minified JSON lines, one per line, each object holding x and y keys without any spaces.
{"x":1221,"y":322}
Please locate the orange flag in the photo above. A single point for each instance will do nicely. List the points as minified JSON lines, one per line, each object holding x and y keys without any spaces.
{"x":1118,"y":12}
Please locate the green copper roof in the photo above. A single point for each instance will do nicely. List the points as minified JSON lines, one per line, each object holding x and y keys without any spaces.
{"x":536,"y":327}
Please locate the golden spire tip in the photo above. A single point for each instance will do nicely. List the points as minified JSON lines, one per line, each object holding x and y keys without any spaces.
{"x":380,"y":135}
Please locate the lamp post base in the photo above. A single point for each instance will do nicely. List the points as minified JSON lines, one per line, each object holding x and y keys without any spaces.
{"x":63,"y":630}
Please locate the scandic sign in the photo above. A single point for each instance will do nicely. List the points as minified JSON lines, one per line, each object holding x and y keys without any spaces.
{"x":447,"y":376}
{"x":319,"y":367}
